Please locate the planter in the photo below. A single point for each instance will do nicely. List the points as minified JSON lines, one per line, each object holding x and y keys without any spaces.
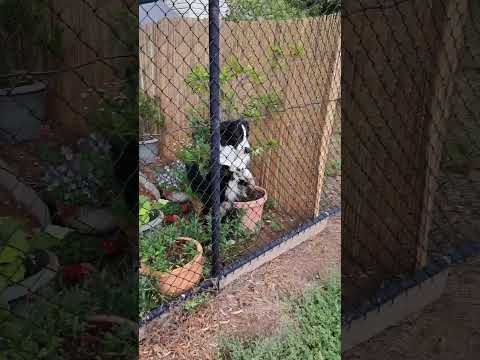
{"x":253,"y":210}
{"x":157,"y":221}
{"x":23,"y":110}
{"x":148,"y":150}
{"x":34,"y":282}
{"x":181,"y":279}
{"x":86,"y":220}
{"x":107,"y":322}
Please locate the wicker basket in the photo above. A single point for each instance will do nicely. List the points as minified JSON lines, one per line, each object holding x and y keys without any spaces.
{"x":181,"y":279}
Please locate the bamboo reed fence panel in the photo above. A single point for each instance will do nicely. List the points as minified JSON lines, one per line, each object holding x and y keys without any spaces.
{"x":92,"y":55}
{"x":171,"y":47}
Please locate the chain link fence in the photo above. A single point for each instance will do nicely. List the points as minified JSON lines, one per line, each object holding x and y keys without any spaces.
{"x":410,"y":121}
{"x":240,"y":138}
{"x":68,"y":179}
{"x":237,"y":110}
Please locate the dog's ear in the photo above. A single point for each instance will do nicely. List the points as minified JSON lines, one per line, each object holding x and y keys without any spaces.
{"x":247,"y":126}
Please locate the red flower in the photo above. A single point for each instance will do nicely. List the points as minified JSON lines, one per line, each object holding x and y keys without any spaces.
{"x":77,"y":272}
{"x":111,"y":246}
{"x":170,"y":219}
{"x":185,"y":208}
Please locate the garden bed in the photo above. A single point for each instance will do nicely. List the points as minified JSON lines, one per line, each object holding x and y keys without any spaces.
{"x":10,"y":208}
{"x":251,"y":307}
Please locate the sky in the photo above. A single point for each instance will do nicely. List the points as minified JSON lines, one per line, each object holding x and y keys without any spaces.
{"x":187,"y":8}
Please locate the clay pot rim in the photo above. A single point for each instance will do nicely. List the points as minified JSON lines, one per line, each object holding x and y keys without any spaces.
{"x":258,"y":202}
{"x":147,"y":270}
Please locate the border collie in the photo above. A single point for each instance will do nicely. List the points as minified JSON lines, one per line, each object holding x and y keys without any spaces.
{"x":235,"y":177}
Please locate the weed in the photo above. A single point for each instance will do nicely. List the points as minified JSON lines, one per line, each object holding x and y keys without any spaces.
{"x":192,"y":305}
{"x":333,"y":167}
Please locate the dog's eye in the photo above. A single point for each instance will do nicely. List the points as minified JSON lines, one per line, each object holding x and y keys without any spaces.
{"x":248,"y":150}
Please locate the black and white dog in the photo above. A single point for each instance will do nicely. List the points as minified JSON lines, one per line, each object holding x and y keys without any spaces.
{"x":235,"y":177}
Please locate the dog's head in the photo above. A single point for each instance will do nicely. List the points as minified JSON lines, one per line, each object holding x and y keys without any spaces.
{"x":235,"y":147}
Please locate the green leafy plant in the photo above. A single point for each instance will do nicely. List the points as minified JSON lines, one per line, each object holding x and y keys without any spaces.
{"x":83,"y":175}
{"x":333,"y":167}
{"x":297,"y":50}
{"x":146,"y":207}
{"x":14,"y":247}
{"x":150,"y":114}
{"x":255,"y":108}
{"x":57,"y":320}
{"x":161,"y":251}
{"x":192,"y":304}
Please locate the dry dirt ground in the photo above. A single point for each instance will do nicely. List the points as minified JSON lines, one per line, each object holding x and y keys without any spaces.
{"x":448,"y":329}
{"x":251,"y":306}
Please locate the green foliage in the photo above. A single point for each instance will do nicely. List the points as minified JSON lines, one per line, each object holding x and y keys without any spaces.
{"x":155,"y":247}
{"x":313,"y":334}
{"x":150,"y":114}
{"x":333,"y":167}
{"x":254,"y":108}
{"x":192,"y":304}
{"x":263,"y":146}
{"x":27,"y":33}
{"x":280,"y":9}
{"x":144,"y":209}
{"x":14,"y":247}
{"x":316,"y":7}
{"x":297,"y":50}
{"x":233,"y":70}
{"x":148,"y":296}
{"x":261,"y":9}
{"x":80,"y":176}
{"x":57,"y":318}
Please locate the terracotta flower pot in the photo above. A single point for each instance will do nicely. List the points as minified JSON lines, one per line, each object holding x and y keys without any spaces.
{"x":253,"y":210}
{"x":181,"y":279}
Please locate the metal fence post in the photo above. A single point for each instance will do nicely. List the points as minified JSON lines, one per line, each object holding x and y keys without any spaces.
{"x":214,"y":84}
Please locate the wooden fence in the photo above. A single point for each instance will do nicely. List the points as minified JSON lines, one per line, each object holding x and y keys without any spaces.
{"x":293,"y":172}
{"x":398,"y":70}
{"x":93,"y":56}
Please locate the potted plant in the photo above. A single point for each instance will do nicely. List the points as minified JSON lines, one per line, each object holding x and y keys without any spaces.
{"x":149,"y":213}
{"x":80,"y":184}
{"x":26,"y":32}
{"x":151,"y":118}
{"x":175,"y":262}
{"x":252,"y":205}
{"x":24,"y":265}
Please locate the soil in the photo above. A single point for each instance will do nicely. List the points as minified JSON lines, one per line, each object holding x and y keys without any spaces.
{"x":445,"y":330}
{"x":24,"y":160}
{"x":251,"y":306}
{"x":181,"y":253}
{"x":252,"y":195}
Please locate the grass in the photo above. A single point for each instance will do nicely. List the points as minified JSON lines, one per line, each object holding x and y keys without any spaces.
{"x":313,"y":334}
